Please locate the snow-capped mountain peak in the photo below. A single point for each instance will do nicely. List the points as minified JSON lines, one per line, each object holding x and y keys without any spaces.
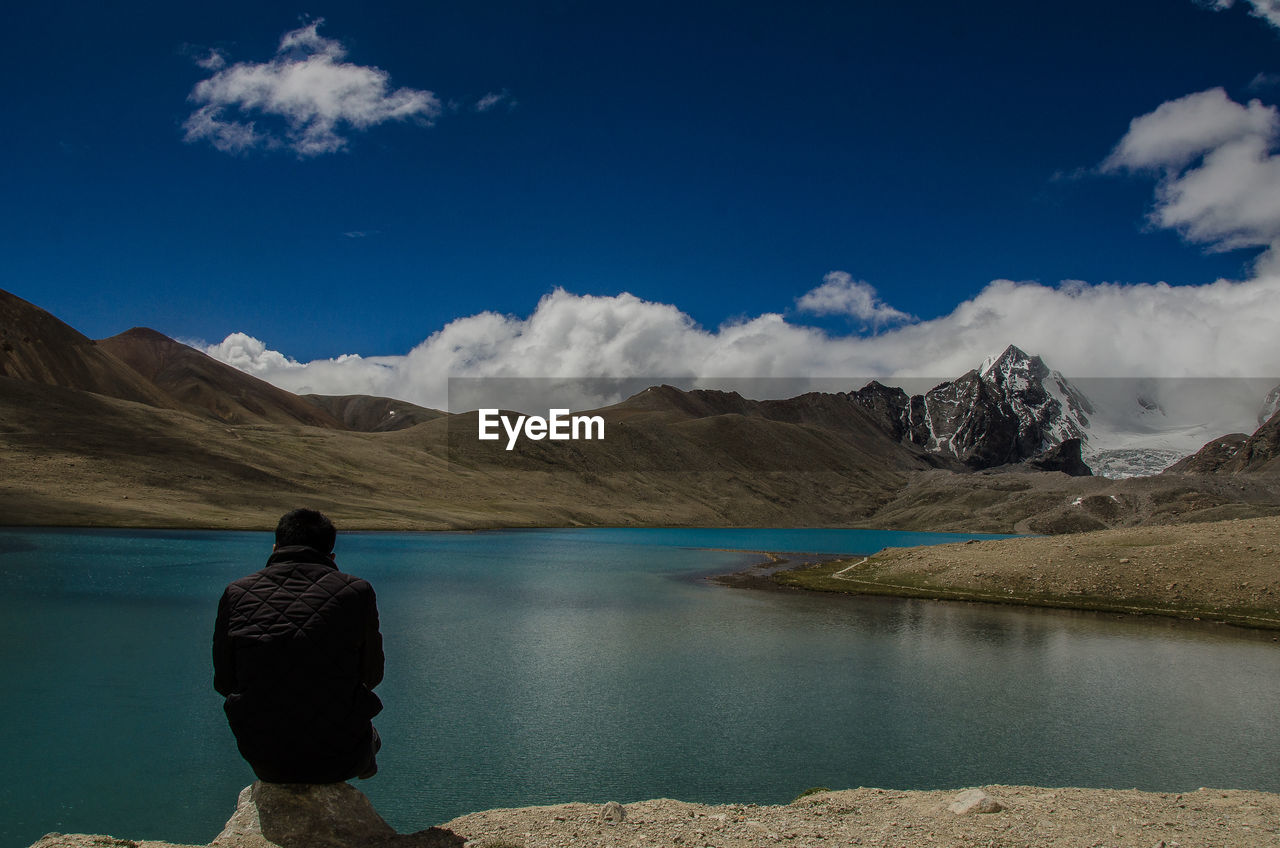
{"x":1041,"y":398}
{"x":1013,"y":362}
{"x":1015,"y":407}
{"x":1010,"y":409}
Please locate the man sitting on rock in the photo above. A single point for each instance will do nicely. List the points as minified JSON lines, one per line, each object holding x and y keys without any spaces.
{"x":297,"y":653}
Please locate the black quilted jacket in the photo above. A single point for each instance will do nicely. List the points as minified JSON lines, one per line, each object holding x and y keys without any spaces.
{"x":296,"y":652}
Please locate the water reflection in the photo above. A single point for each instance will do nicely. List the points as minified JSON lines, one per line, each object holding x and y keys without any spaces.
{"x":580,"y":665}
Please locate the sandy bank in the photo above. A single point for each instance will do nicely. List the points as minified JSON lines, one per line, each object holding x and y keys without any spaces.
{"x":1216,"y":571}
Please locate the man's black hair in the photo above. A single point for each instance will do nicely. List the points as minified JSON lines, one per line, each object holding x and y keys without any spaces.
{"x":306,"y":527}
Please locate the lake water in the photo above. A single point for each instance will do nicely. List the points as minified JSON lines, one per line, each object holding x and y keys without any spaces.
{"x":540,"y":666}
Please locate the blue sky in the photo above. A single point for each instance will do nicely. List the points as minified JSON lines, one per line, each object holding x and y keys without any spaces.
{"x":718,"y":160}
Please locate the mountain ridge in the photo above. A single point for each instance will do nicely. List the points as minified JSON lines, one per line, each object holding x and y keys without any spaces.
{"x":87,"y":439}
{"x":203,"y":385}
{"x":37,"y":347}
{"x":1238,"y":453}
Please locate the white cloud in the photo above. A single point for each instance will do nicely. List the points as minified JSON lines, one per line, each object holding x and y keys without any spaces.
{"x":308,"y":88}
{"x":1182,"y":130}
{"x":251,"y":355}
{"x":1268,"y":10}
{"x":1220,"y":177}
{"x":491,"y":100}
{"x":214,"y":60}
{"x":1231,"y":201}
{"x":1224,"y":329}
{"x":228,"y":136}
{"x":840,"y":294}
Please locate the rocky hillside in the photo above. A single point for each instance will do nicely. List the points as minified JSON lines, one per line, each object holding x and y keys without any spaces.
{"x":1238,"y":453}
{"x":1015,"y":409}
{"x":1011,"y":409}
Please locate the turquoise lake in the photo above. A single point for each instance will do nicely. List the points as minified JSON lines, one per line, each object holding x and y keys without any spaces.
{"x":541,"y":666}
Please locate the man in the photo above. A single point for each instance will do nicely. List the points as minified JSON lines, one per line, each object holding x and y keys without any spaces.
{"x":297,"y":653}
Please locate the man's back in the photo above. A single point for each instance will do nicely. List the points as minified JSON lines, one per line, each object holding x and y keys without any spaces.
{"x":297,"y":652}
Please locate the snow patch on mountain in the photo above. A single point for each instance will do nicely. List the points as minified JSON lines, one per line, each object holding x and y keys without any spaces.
{"x":1143,"y":426}
{"x":1270,"y":406}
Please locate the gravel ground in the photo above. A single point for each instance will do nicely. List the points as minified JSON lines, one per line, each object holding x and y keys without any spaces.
{"x":1029,"y":816}
{"x":1018,"y":817}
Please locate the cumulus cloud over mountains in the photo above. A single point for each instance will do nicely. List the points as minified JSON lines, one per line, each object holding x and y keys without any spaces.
{"x":1217,"y":330}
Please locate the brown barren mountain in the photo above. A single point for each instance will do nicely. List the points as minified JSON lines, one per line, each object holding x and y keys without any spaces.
{"x":1238,"y":453}
{"x":82,"y":459}
{"x":38,"y":348}
{"x":665,"y":429}
{"x":1261,"y":452}
{"x":1213,"y":457}
{"x":205,"y":386}
{"x":369,"y":414}
{"x":140,"y":430}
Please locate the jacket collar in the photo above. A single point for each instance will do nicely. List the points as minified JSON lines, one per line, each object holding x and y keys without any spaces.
{"x":299,"y":553}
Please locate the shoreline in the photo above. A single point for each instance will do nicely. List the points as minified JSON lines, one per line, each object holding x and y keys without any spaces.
{"x":1218,"y":573}
{"x":1091,"y":579}
{"x":1206,"y":621}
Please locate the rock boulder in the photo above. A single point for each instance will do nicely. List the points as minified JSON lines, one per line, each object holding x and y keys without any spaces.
{"x":305,"y":815}
{"x":613,"y":813}
{"x":973,"y":801}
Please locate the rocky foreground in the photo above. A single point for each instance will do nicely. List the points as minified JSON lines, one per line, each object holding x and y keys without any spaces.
{"x":998,"y":816}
